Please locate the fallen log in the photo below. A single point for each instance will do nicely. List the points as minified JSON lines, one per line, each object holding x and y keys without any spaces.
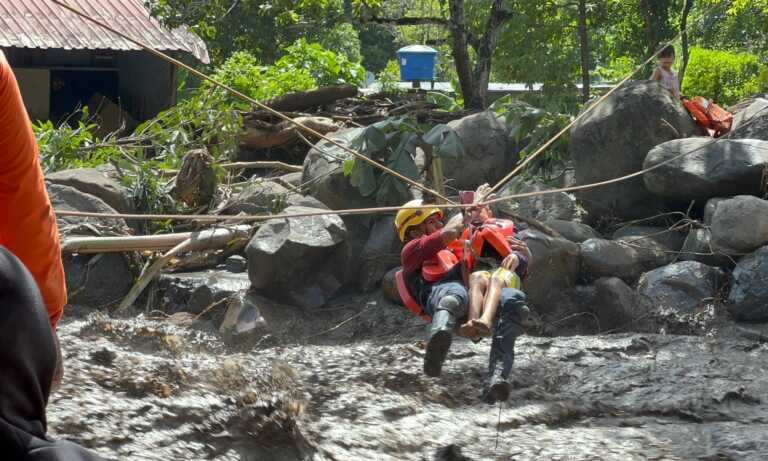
{"x":308,"y":99}
{"x":261,"y":135}
{"x":205,"y":240}
{"x":86,"y":245}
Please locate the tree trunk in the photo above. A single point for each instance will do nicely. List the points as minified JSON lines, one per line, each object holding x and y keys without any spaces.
{"x":302,"y":100}
{"x":485,"y":51}
{"x":684,"y":38}
{"x":584,"y":42}
{"x":460,"y":49}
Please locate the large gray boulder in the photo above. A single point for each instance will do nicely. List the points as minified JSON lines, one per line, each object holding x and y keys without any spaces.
{"x":574,"y":231}
{"x":380,"y":253}
{"x":698,"y":247}
{"x":299,"y":261}
{"x":324,"y":177}
{"x":559,"y":205}
{"x":681,"y":287}
{"x":489,"y":154}
{"x":752,"y":122}
{"x":606,"y":258}
{"x":99,"y":182}
{"x":740,"y":224}
{"x":671,"y":240}
{"x":258,"y":196}
{"x":67,"y":198}
{"x":748,"y":299}
{"x":554,"y":269}
{"x":614,"y":139}
{"x":711,"y":169}
{"x":97,"y":281}
{"x":615,"y":304}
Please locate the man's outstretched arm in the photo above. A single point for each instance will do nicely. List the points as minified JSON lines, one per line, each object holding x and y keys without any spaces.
{"x":27,"y":222}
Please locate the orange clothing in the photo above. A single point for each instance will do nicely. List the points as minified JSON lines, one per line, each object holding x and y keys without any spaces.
{"x":27,"y":223}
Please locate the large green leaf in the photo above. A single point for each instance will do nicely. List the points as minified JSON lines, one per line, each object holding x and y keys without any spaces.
{"x":363,"y":177}
{"x":444,"y":141}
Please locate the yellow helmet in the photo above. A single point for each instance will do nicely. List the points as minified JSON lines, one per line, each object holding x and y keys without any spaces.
{"x":407,"y":217}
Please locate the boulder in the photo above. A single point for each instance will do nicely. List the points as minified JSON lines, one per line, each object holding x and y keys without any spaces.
{"x":67,"y":198}
{"x":299,"y":261}
{"x":380,"y":253}
{"x":97,"y":182}
{"x":291,"y":179}
{"x":710,"y":207}
{"x":748,"y":299}
{"x":671,"y":240}
{"x":711,"y":169}
{"x":614,"y":139}
{"x":97,"y":281}
{"x":698,"y":247}
{"x":553,"y":271}
{"x":243,"y":316}
{"x":574,"y":231}
{"x":615,"y":304}
{"x":681,"y":287}
{"x":489,"y":154}
{"x":324,"y":176}
{"x":541,"y":207}
{"x":193,"y":292}
{"x":605,"y":258}
{"x":752,"y":122}
{"x":740,"y":224}
{"x":389,"y":286}
{"x":257,"y":197}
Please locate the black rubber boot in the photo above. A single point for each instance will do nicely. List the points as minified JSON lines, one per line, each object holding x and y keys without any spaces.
{"x":502,"y":356}
{"x":440,"y":336}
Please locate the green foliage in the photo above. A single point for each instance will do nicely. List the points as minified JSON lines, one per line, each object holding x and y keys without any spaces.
{"x":344,"y":40}
{"x":389,"y":77}
{"x":62,"y":147}
{"x":325,"y":66}
{"x":394,"y":142}
{"x":616,"y":69}
{"x":530,"y":128}
{"x":148,"y":192}
{"x":722,"y":76}
{"x":444,"y":101}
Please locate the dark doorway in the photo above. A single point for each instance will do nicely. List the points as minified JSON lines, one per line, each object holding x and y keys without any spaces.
{"x":72,"y":89}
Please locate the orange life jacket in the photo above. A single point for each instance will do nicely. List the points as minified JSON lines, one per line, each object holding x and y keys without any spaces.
{"x":709,"y":115}
{"x":493,"y":232}
{"x":436,"y":269}
{"x":405,"y":295}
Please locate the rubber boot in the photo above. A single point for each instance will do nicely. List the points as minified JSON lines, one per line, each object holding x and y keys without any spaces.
{"x":502,"y":355}
{"x":440,"y":336}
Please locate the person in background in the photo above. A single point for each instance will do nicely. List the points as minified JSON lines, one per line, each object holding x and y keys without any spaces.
{"x":664,"y":73}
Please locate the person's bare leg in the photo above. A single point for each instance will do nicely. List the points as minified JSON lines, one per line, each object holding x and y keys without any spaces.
{"x":478,"y":284}
{"x":490,"y":305}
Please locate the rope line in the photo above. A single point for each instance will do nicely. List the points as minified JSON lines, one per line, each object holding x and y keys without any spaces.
{"x":251,"y":100}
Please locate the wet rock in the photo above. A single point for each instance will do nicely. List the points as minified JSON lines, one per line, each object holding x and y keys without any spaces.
{"x":542,"y":207}
{"x":97,"y":182}
{"x":195,"y":291}
{"x":752,"y":122}
{"x":574,"y":231}
{"x":97,"y":281}
{"x":380,"y":253}
{"x":70,"y":199}
{"x":389,"y":286}
{"x":698,"y":247}
{"x":488,"y":151}
{"x":324,"y":176}
{"x":711,"y":169}
{"x":604,"y":258}
{"x":710,"y":207}
{"x":259,"y":196}
{"x":740,"y":224}
{"x":681,"y":287}
{"x":616,"y":304}
{"x":748,"y":299}
{"x":298,"y":260}
{"x":236,"y":264}
{"x":614,"y":139}
{"x":306,"y":201}
{"x":291,"y":179}
{"x":554,"y":270}
{"x":671,"y":240}
{"x":242,"y":316}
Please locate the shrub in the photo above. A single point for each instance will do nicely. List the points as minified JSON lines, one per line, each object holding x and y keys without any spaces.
{"x":722,"y":76}
{"x":389,"y":77}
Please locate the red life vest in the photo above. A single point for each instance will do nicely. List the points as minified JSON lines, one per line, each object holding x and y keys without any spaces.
{"x":709,"y":115}
{"x":493,"y":232}
{"x":408,"y":299}
{"x":435,"y":269}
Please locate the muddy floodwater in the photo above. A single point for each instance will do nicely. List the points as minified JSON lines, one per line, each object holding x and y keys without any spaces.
{"x":148,"y":389}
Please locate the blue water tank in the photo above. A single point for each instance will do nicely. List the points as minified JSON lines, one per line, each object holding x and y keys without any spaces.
{"x":417,"y":63}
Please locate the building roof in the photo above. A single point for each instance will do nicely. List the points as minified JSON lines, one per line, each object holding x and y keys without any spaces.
{"x":43,"y":24}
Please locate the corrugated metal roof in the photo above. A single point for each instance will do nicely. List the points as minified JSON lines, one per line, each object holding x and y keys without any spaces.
{"x":43,"y":24}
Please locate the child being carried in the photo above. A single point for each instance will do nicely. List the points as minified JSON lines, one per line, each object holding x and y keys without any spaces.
{"x":490,"y":261}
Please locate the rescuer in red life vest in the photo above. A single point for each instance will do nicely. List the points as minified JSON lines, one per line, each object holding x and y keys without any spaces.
{"x":431,"y":286}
